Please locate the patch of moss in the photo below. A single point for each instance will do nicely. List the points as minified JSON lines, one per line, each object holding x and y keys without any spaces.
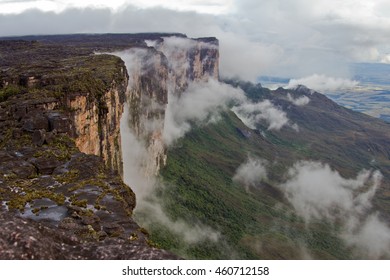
{"x":68,"y":177}
{"x":19,"y":201}
{"x":83,"y":203}
{"x":10,"y":90}
{"x":133,"y":237}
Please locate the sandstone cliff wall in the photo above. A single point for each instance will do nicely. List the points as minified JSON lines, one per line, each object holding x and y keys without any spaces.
{"x":96,"y":124}
{"x":166,"y":67}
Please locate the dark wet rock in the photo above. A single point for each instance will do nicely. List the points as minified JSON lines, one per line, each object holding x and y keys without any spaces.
{"x":70,"y":224}
{"x":19,"y":168}
{"x":45,"y":165}
{"x":101,"y":235}
{"x":23,"y":169}
{"x":92,"y":220}
{"x":113,"y":229}
{"x":46,"y":182}
{"x":17,"y":133}
{"x":39,"y":137}
{"x":246,"y":133}
{"x":59,"y":123}
{"x":3,"y":115}
{"x":36,"y":122}
{"x":87,"y":163}
{"x":26,"y":152}
{"x":19,"y":112}
{"x":22,"y":239}
{"x":60,"y":170}
{"x":5,"y":156}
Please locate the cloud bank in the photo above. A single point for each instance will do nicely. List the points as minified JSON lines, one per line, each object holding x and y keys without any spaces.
{"x":282,"y":38}
{"x":200,"y":103}
{"x":300,"y":101}
{"x":323,"y":83}
{"x":251,"y":172}
{"x":318,"y":192}
{"x":253,"y":113}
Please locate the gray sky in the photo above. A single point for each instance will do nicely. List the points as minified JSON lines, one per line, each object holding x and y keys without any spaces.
{"x":293,"y":38}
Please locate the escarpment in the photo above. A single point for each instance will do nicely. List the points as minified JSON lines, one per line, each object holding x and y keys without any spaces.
{"x":97,"y":122}
{"x":60,"y":145}
{"x":165,"y":68}
{"x":147,"y":100}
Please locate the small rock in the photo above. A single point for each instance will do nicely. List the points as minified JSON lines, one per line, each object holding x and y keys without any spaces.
{"x":113,"y":229}
{"x":19,"y":112}
{"x":36,"y":122}
{"x":20,"y":168}
{"x":101,"y":235}
{"x":58,"y":122}
{"x":93,"y":221}
{"x":69,"y":224}
{"x":60,"y":170}
{"x":45,"y":166}
{"x":39,"y":137}
{"x":5,"y":156}
{"x":17,"y":133}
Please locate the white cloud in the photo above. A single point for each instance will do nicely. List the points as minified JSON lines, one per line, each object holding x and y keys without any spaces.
{"x":200,"y":6}
{"x":135,"y":154}
{"x":246,"y":59}
{"x":200,"y":103}
{"x":252,"y":113}
{"x":323,"y":83}
{"x":251,"y":172}
{"x":372,"y":239}
{"x":318,"y":192}
{"x":300,"y":101}
{"x":284,"y":38}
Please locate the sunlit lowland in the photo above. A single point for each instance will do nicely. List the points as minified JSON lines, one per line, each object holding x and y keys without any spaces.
{"x":123,"y":139}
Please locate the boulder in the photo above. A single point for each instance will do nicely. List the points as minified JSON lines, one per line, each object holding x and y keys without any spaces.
{"x":36,"y":122}
{"x":113,"y":229}
{"x":39,"y":137}
{"x":59,"y":122}
{"x":45,"y":165}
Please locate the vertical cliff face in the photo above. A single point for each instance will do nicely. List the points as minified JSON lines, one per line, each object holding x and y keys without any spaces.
{"x":190,"y":60}
{"x":96,"y":123}
{"x":92,"y":108}
{"x":147,"y":98}
{"x":165,"y":67}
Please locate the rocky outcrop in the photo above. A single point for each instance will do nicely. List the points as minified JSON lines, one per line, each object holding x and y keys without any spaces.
{"x":60,"y":150}
{"x":60,"y":147}
{"x":190,"y":60}
{"x":22,"y":239}
{"x":97,"y":123}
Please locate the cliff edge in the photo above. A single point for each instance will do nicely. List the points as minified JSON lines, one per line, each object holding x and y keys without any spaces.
{"x":61,"y":102}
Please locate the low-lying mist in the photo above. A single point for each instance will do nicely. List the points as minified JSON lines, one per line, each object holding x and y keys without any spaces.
{"x":319,"y":193}
{"x":135,"y":156}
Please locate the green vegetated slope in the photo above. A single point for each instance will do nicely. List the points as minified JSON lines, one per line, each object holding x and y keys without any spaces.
{"x":259,"y":222}
{"x":255,"y":224}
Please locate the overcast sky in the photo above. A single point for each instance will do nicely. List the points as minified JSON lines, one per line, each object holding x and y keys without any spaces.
{"x":291,"y":38}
